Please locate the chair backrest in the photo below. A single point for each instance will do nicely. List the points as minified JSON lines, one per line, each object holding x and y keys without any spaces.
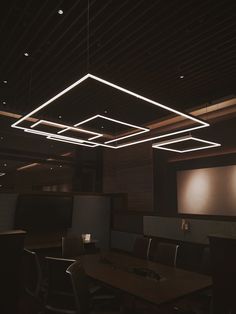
{"x":141,"y":247}
{"x":58,"y":281}
{"x":223,"y":261}
{"x":80,"y":287}
{"x":59,"y":296}
{"x":32,"y":274}
{"x":166,"y":253}
{"x":153,"y":248}
{"x":190,"y":256}
{"x":72,"y":247}
{"x":206,"y":262}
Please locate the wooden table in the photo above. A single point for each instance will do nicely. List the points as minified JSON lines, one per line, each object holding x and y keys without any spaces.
{"x":174,"y":283}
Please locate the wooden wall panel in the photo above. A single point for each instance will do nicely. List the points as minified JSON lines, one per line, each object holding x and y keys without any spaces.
{"x":130,"y":170}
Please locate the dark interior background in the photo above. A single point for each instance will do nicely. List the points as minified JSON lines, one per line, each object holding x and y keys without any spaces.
{"x":179,"y":53}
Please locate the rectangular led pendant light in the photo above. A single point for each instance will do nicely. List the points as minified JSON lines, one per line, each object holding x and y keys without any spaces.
{"x":206,"y":144}
{"x":51,"y":134}
{"x":91,"y":140}
{"x":143,"y":130}
{"x":70,"y":142}
{"x":66,"y":128}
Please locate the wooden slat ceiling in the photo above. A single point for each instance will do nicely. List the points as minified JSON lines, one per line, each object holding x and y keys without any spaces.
{"x":145,"y":46}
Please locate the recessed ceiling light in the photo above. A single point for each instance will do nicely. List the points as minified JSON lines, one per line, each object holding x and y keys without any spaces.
{"x":60,"y":12}
{"x":1,"y":137}
{"x":5,"y":81}
{"x":4,"y":102}
{"x":181,"y":76}
{"x":60,"y":166}
{"x":5,"y":165}
{"x":2,"y":174}
{"x":51,"y":168}
{"x":59,"y":117}
{"x":0,"y":185}
{"x":26,"y":54}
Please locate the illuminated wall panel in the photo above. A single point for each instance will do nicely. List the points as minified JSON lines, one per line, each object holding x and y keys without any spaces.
{"x":207,"y":191}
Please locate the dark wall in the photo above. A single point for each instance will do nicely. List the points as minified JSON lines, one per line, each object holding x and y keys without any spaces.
{"x":149,"y":178}
{"x":130,"y":170}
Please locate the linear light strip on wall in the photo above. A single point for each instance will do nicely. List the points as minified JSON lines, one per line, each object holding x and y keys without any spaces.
{"x":28,"y":166}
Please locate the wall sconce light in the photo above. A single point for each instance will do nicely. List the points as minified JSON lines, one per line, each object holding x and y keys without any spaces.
{"x":185,"y":225}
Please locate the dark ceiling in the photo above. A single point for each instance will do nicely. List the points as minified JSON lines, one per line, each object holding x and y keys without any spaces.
{"x":179,"y":53}
{"x":145,"y":46}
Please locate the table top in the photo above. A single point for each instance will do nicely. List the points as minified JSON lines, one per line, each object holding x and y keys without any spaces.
{"x":116,"y":270}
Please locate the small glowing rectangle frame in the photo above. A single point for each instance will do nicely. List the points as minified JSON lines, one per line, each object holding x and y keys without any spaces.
{"x":201,"y":123}
{"x":32,"y":131}
{"x":207,"y":145}
{"x":70,"y":142}
{"x":65,"y":128}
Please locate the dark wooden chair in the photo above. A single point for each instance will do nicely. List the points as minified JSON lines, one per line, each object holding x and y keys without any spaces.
{"x":32,"y":273}
{"x":72,"y":247}
{"x":223,"y":265}
{"x":190,"y":256}
{"x":141,"y":247}
{"x":32,"y":296}
{"x":166,"y":253}
{"x":85,"y":301}
{"x":59,"y":296}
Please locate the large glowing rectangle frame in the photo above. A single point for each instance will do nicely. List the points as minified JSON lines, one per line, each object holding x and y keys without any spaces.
{"x":162,"y":145}
{"x":201,"y":123}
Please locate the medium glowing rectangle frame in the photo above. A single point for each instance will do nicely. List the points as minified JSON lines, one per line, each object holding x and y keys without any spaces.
{"x":65,"y":128}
